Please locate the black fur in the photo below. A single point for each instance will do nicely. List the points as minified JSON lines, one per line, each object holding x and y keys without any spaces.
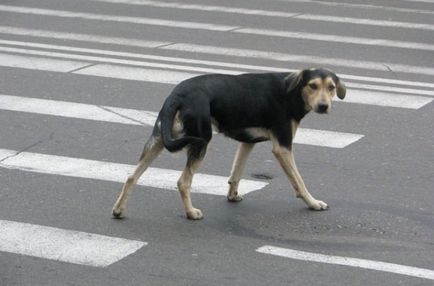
{"x":236,"y":102}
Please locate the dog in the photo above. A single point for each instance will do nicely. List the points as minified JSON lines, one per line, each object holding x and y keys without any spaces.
{"x":249,"y":108}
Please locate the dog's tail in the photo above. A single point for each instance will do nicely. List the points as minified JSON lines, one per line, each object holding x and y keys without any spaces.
{"x":167,"y":116}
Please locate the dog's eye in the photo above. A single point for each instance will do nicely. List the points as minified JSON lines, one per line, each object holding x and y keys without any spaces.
{"x":331,"y":87}
{"x":313,"y":86}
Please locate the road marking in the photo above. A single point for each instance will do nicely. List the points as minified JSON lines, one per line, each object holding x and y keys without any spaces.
{"x":348,"y":261}
{"x":64,"y":245}
{"x":222,"y":28}
{"x":209,"y":8}
{"x":307,"y":59}
{"x":386,"y":99}
{"x":209,"y":50}
{"x":115,"y":18}
{"x":80,"y":37}
{"x":77,"y":110}
{"x":159,"y":65}
{"x":119,"y":62}
{"x":362,"y":6}
{"x":245,"y":11}
{"x":390,"y":88}
{"x":174,"y":77}
{"x":115,"y":172}
{"x":321,"y":138}
{"x":134,"y":73}
{"x":35,"y":63}
{"x":337,"y":39}
{"x":364,"y":21}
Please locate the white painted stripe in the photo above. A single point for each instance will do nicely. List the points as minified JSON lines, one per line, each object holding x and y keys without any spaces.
{"x":390,"y":88}
{"x":115,"y":172}
{"x":386,"y":99}
{"x":209,"y":8}
{"x":245,"y":11}
{"x":117,"y":61}
{"x":206,"y":49}
{"x":36,"y":63}
{"x":115,"y":18}
{"x":64,"y":245}
{"x":198,"y":70}
{"x":322,"y":138}
{"x":306,"y":59}
{"x":80,"y":37}
{"x":237,"y":66}
{"x":362,"y":21}
{"x":77,"y":110}
{"x":387,"y":80}
{"x":134,"y":73}
{"x":174,"y":77}
{"x":337,"y":39}
{"x":4,"y":153}
{"x":362,"y":6}
{"x":348,"y":261}
{"x":214,"y":27}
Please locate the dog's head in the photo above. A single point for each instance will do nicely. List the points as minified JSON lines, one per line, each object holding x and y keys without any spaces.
{"x":317,"y":87}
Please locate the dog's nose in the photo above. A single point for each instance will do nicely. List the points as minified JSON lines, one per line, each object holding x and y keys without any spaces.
{"x":322,"y":107}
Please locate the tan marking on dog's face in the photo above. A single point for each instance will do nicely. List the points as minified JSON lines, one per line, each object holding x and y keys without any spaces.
{"x":318,"y":94}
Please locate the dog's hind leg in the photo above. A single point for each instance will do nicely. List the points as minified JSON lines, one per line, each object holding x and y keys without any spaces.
{"x":195,"y":157}
{"x":238,"y":165}
{"x":152,"y":148}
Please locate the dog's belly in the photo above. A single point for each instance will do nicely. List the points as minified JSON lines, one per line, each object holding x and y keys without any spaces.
{"x":249,"y":135}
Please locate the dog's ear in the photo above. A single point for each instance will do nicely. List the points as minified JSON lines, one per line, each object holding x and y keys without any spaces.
{"x":341,"y":90}
{"x":293,"y":80}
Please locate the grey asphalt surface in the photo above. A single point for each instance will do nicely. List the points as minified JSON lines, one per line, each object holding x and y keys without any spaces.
{"x":380,"y":188}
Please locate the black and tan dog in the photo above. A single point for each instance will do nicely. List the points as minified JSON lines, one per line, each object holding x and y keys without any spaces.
{"x":249,"y":108}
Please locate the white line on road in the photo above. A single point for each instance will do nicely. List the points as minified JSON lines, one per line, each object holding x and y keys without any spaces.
{"x":213,"y":50}
{"x":64,"y":245}
{"x":386,"y":99}
{"x":307,"y":59}
{"x":116,"y":18}
{"x":80,"y":37}
{"x":36,"y":63}
{"x":209,"y":8}
{"x":348,"y":261}
{"x":390,"y":88}
{"x":134,"y":73}
{"x":322,"y":138}
{"x":174,"y":77}
{"x":223,"y":28}
{"x":115,"y":172}
{"x":362,"y":6}
{"x":337,"y":39}
{"x":118,"y":61}
{"x":268,"y":13}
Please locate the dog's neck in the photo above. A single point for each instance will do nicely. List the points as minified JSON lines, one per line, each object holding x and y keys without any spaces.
{"x":297,"y":107}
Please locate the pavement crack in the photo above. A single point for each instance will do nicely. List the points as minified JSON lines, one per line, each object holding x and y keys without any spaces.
{"x":390,"y":69}
{"x":121,"y":115}
{"x":50,"y":137}
{"x":81,"y":68}
{"x":165,"y":45}
{"x":296,"y":15}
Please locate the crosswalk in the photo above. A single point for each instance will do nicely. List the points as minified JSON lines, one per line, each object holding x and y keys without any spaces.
{"x":166,"y":61}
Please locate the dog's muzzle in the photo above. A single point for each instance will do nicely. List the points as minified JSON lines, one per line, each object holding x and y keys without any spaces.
{"x":322,"y":108}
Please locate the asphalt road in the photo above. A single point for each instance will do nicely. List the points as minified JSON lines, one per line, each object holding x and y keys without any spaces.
{"x":99,"y":67}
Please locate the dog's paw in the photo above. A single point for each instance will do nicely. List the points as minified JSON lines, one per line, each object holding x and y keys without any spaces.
{"x":235,"y":198}
{"x":318,"y":205}
{"x":194,"y":214}
{"x":117,"y":213}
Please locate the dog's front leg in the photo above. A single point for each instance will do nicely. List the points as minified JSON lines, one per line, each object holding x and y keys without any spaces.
{"x":285,"y":157}
{"x":238,"y":165}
